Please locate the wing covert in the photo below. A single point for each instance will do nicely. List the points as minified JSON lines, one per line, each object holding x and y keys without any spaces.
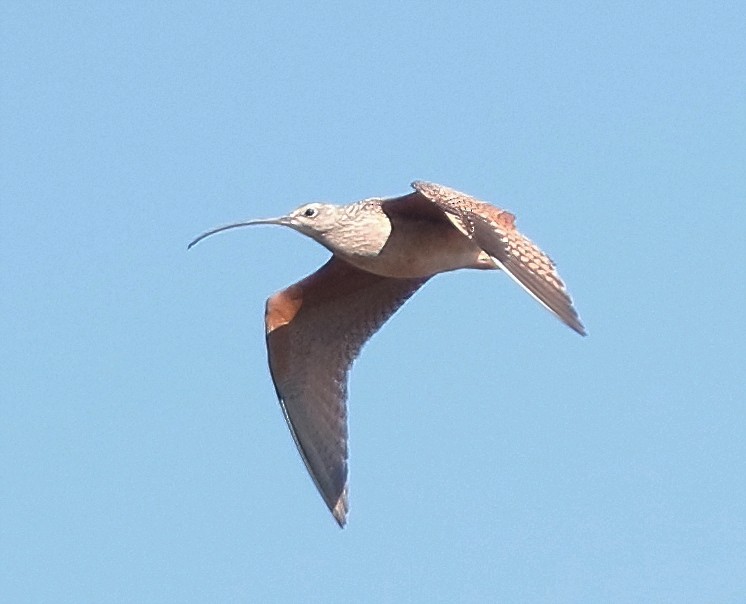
{"x":494,"y":231}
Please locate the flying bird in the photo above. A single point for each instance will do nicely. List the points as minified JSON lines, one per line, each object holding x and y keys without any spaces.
{"x":383,"y":251}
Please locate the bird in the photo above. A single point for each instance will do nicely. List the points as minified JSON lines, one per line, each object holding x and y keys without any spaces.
{"x":383,"y":251}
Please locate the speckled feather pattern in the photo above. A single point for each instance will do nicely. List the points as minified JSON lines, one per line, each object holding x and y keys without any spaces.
{"x":494,"y":231}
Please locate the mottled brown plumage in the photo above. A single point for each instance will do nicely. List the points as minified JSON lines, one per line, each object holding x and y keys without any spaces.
{"x":383,"y":251}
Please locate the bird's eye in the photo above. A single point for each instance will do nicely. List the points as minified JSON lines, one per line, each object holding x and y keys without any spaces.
{"x":310,"y":212}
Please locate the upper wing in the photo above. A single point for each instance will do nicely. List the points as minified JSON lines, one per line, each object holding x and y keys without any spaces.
{"x":494,"y":231}
{"x":315,"y":329}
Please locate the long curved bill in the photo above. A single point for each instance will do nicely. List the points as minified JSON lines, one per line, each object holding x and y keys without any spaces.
{"x":280,"y":220}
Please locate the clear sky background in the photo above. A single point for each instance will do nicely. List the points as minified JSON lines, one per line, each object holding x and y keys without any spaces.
{"x":495,"y":455}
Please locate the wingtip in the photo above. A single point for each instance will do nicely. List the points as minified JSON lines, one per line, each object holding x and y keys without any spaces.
{"x":573,"y":322}
{"x":579,"y":329}
{"x":339,"y":511}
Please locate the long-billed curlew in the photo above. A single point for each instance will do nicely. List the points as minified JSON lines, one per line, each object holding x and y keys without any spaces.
{"x":383,"y":250}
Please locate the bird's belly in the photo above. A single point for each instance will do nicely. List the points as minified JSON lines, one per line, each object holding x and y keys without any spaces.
{"x":423,"y":252}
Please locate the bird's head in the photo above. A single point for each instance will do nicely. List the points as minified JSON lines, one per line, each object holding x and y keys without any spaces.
{"x":315,"y":220}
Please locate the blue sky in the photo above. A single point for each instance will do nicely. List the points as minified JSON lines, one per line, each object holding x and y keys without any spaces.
{"x":495,"y":455}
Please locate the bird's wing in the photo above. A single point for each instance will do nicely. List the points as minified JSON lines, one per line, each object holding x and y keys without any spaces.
{"x":315,"y":329}
{"x":493,"y":230}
